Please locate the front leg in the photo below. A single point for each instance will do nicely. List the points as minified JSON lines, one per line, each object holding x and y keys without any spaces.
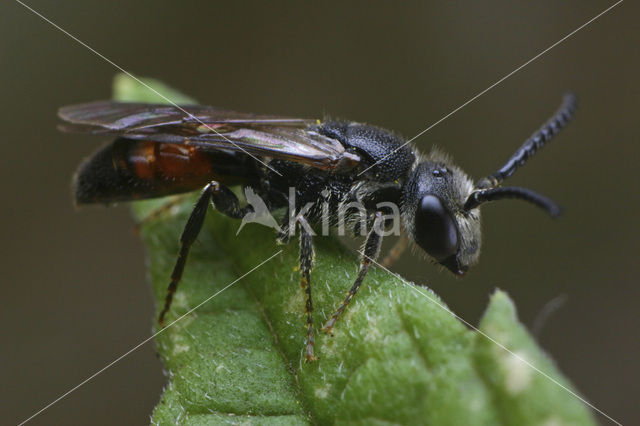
{"x":370,"y":254}
{"x":159,"y":211}
{"x":396,"y":251}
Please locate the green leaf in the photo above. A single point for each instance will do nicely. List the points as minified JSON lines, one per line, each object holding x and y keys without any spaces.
{"x":399,"y":356}
{"x":128,"y":89}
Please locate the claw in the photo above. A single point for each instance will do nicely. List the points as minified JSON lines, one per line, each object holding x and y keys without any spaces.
{"x":328,"y":329}
{"x":309,"y":356}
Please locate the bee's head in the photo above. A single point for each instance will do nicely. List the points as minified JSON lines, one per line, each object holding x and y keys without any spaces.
{"x":440,"y":203}
{"x":434,"y":214}
{"x":440,"y":210}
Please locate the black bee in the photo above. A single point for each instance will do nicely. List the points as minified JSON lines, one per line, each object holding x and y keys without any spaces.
{"x":326,"y":166}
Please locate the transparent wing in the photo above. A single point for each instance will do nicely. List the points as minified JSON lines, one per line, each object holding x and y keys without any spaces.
{"x":285,"y":138}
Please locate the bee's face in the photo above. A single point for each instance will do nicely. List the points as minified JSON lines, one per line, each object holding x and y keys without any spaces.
{"x":434,"y":214}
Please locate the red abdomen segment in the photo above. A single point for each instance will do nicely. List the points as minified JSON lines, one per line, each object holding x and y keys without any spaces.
{"x":128,"y":170}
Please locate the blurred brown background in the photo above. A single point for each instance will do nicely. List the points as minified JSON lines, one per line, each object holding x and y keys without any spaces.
{"x":74,"y":295}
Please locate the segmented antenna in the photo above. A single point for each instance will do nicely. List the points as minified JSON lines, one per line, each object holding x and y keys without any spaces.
{"x":493,"y":194}
{"x":533,"y":144}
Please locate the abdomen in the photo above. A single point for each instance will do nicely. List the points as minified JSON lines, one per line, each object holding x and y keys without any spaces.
{"x":128,"y":170}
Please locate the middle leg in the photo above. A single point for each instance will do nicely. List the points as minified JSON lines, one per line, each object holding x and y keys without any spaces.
{"x":306,"y":265}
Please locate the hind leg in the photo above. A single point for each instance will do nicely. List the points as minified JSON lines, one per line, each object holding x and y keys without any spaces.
{"x":226,"y":202}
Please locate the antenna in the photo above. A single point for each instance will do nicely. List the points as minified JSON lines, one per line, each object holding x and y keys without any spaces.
{"x":551,"y":128}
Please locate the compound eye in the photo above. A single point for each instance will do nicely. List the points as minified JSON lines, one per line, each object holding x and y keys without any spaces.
{"x":435,"y":230}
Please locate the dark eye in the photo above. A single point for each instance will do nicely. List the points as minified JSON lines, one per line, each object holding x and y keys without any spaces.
{"x":435,"y":230}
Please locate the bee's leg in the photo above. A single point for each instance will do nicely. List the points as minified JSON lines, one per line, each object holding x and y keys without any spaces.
{"x":284,"y":233}
{"x":159,"y":211}
{"x":306,"y":265}
{"x":370,"y":254}
{"x":396,"y":251}
{"x":227,"y":203}
{"x":224,"y":201}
